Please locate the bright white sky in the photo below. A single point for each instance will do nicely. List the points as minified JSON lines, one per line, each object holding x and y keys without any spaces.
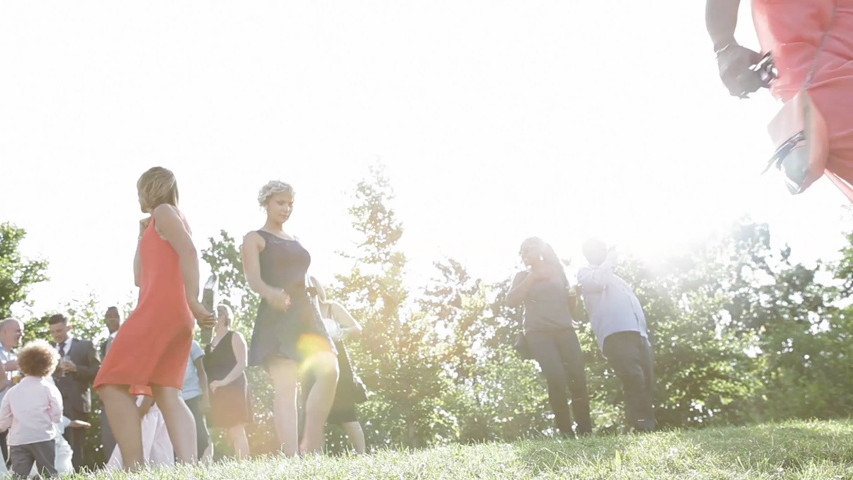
{"x":497,"y":120}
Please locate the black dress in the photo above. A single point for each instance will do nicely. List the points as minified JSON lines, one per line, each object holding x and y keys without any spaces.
{"x":298,"y":332}
{"x":229,"y":404}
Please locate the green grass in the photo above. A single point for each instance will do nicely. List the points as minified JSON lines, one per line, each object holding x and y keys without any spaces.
{"x":792,"y":450}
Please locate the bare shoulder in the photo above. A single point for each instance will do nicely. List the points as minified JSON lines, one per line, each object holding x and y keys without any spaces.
{"x":520,"y":276}
{"x":164,"y":211}
{"x":254,"y":240}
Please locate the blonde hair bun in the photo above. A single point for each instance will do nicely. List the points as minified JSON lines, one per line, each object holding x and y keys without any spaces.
{"x":271,"y":188}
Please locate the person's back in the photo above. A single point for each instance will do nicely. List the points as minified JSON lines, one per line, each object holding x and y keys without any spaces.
{"x":609,"y":300}
{"x":619,"y":325}
{"x":30,"y":409}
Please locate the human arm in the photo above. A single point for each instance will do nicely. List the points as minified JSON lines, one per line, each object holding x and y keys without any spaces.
{"x":721,"y":20}
{"x":171,"y":227}
{"x":137,"y":261}
{"x":54,"y":404}
{"x":250,"y":253}
{"x":238,"y":344}
{"x":5,"y":414}
{"x":145,"y":405}
{"x":524,"y":280}
{"x":733,"y":60}
{"x":5,"y":380}
{"x":349,"y":326}
{"x":85,"y":371}
{"x":202,"y":382}
{"x":593,"y":278}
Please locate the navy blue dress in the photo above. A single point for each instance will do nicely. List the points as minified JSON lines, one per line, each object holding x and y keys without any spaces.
{"x":297,"y":333}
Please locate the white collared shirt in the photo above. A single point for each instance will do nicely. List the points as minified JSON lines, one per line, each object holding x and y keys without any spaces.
{"x":67,"y":343}
{"x":6,"y":356}
{"x":30,"y":409}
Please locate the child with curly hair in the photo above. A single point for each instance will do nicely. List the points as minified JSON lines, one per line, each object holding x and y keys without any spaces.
{"x":30,"y":409}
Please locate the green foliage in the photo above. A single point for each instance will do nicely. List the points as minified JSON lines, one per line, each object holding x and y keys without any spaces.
{"x":16,"y":273}
{"x":740,"y":333}
{"x":398,"y":356}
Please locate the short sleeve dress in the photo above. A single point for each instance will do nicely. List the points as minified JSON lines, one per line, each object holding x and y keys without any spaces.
{"x":294,"y":334}
{"x":153,"y":344}
{"x":229,"y":404}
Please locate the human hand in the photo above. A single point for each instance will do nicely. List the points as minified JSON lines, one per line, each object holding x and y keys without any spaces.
{"x":204,"y":318}
{"x":79,"y":424}
{"x":67,"y":365}
{"x":11,"y":365}
{"x":733,"y":63}
{"x":279,"y":300}
{"x":539,"y":272}
{"x":216,"y":384}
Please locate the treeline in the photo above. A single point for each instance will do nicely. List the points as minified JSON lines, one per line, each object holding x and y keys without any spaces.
{"x":740,"y":333}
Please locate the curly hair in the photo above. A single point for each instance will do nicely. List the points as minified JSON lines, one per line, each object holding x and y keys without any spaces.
{"x":271,"y":188}
{"x":38,"y":359}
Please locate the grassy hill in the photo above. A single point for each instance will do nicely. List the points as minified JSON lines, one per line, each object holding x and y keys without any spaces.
{"x":791,"y":450}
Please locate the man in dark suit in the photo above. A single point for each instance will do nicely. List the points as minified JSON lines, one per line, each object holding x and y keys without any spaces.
{"x":112,"y":320}
{"x":77,"y":368}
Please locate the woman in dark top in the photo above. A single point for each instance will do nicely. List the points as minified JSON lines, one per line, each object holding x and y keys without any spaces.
{"x":548,"y":327}
{"x":288,"y":333}
{"x":351,"y":391}
{"x":225,"y":363}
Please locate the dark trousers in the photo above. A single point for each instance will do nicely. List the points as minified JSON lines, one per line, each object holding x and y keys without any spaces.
{"x":4,"y":448}
{"x":559,"y":356}
{"x":630,"y":356}
{"x":108,"y":441}
{"x":43,"y":454}
{"x":76,"y":437}
{"x":201,"y":434}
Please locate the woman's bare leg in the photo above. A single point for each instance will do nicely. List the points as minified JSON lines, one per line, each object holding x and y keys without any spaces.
{"x":237,"y":435}
{"x":179,"y":422}
{"x":355,"y":435}
{"x":284,"y":373}
{"x":125,"y":422}
{"x":318,"y":403}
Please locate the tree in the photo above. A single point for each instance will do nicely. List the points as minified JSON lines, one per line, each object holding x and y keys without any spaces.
{"x":16,"y":273}
{"x":398,"y":357}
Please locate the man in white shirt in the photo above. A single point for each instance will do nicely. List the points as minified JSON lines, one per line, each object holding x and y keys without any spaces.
{"x":619,"y":325}
{"x":11,"y":331}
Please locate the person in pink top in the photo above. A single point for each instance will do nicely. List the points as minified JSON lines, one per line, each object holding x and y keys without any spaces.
{"x":811,"y":43}
{"x":30,"y":409}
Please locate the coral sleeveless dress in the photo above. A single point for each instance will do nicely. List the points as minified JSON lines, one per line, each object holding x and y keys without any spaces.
{"x":153,"y":344}
{"x":793,"y":31}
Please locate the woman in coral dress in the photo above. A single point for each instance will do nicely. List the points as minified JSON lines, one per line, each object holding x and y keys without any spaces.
{"x":152,"y":347}
{"x":812,"y":47}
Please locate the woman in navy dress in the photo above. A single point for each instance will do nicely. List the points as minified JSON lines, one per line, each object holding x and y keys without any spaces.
{"x":288,"y":334}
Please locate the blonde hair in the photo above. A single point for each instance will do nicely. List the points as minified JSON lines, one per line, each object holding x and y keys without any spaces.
{"x":271,"y":188}
{"x":158,"y":186}
{"x":38,"y":359}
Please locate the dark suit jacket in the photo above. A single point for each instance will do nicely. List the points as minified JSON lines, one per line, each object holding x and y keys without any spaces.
{"x":74,"y":386}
